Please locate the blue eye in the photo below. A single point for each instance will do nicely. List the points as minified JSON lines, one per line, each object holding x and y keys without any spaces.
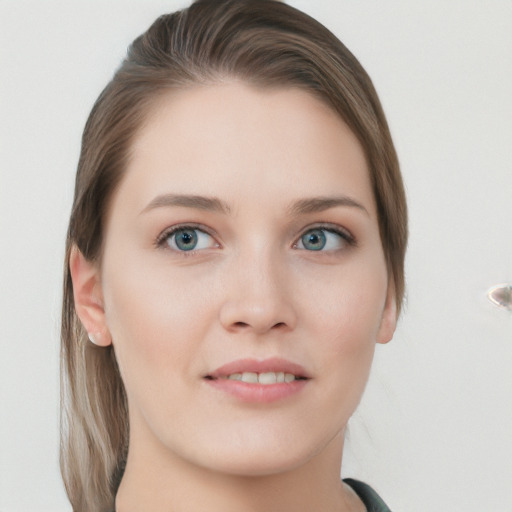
{"x":188,"y":239}
{"x":321,"y":239}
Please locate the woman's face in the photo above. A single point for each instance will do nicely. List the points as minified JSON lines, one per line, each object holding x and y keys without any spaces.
{"x":243,"y":243}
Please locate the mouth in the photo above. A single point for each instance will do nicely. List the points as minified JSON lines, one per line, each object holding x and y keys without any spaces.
{"x":251,"y":380}
{"x":265,"y":378}
{"x":254,"y":371}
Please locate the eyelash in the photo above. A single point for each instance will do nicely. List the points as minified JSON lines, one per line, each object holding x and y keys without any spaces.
{"x":344,"y":234}
{"x":162,"y":240}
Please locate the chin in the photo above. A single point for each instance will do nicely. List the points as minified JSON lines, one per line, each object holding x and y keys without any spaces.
{"x":255,"y":465}
{"x":260,"y":456}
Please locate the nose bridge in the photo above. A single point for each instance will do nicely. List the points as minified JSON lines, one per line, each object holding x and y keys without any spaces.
{"x":257,"y":293}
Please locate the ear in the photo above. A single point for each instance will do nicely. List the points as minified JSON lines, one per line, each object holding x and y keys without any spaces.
{"x":88,"y":296}
{"x":389,"y":316}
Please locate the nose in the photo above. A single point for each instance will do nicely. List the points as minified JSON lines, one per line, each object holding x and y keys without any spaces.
{"x":258,"y":297}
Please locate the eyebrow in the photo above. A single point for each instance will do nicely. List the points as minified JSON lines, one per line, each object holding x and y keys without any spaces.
{"x":188,"y":201}
{"x":300,"y":207}
{"x":320,"y":204}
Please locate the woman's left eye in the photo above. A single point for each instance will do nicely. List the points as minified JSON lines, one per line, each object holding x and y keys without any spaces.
{"x":323,"y":239}
{"x":186,"y":239}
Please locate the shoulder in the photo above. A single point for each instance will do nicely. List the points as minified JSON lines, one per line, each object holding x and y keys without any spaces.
{"x":372,"y":501}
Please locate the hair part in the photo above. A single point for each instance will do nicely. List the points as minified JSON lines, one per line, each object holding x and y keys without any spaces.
{"x":265,"y":43}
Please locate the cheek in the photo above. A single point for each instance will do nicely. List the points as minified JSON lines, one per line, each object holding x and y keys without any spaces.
{"x":152,"y":314}
{"x":345,"y":313}
{"x":348,"y":302}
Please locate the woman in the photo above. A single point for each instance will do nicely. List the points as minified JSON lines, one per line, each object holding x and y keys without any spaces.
{"x":235,"y":251}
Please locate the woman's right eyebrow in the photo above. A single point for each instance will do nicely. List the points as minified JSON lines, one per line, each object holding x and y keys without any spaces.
{"x":188,"y":201}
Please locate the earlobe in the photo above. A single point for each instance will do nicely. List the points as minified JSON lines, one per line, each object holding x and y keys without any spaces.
{"x":389,"y":316}
{"x":88,"y":297}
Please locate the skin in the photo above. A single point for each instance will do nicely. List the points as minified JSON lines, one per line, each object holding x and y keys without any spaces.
{"x":251,"y":290}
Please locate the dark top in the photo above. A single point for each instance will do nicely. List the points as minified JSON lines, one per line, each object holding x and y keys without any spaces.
{"x":372,"y":501}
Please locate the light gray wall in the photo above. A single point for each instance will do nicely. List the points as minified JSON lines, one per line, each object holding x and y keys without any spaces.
{"x":434,"y":429}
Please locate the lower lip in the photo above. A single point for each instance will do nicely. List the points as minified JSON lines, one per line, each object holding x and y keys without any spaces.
{"x":259,"y":393}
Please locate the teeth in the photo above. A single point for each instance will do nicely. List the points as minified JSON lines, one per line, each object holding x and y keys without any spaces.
{"x":267,"y":378}
{"x":262,"y":378}
{"x":250,"y":377}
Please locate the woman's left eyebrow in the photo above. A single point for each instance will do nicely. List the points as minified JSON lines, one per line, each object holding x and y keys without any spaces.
{"x":188,"y":201}
{"x":320,"y":204}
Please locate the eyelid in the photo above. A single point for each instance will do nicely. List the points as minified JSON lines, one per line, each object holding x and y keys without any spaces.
{"x":331,"y":228}
{"x":160,"y":241}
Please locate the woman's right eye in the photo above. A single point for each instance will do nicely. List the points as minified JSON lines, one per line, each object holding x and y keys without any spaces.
{"x":185,"y":239}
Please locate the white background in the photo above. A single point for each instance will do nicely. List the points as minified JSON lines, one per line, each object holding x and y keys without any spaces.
{"x":434,"y":431}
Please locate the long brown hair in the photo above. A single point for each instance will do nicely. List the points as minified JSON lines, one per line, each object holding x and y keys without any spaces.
{"x":262,"y":42}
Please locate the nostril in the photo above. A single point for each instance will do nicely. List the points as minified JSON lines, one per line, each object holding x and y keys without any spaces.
{"x":245,"y":325}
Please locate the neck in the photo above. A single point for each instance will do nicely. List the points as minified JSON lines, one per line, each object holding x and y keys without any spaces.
{"x":171,"y":484}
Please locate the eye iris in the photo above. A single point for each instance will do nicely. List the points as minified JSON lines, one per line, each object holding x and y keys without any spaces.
{"x":314,"y":240}
{"x":186,"y":239}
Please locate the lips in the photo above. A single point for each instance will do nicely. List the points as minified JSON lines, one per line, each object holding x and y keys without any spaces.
{"x":250,"y":380}
{"x":248,"y":370}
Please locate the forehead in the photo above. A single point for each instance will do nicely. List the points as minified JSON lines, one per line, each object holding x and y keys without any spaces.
{"x":233,"y":140}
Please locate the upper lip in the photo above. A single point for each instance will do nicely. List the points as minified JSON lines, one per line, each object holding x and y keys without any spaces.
{"x":274,"y":364}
